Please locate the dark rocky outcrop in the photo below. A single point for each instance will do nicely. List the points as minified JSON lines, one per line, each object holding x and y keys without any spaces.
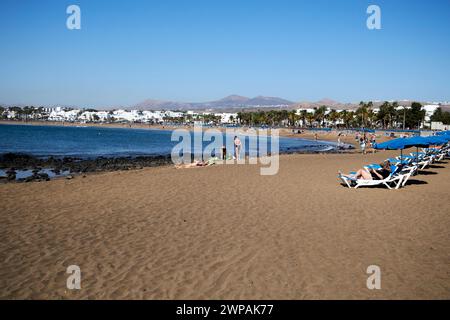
{"x":12,"y":162}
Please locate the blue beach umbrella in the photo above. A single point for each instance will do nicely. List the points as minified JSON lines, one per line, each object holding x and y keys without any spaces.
{"x":396,"y":144}
{"x":437,"y":140}
{"x":419,"y":142}
{"x":403,"y":143}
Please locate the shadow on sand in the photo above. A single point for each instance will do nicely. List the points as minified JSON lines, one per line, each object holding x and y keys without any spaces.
{"x":433,"y":166}
{"x":412,"y":182}
{"x":427,"y":173}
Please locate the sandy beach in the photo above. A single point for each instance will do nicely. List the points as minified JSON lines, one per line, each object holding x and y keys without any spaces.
{"x":226,"y":232}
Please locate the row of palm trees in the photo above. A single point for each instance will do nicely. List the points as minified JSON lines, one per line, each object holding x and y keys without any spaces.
{"x":318,"y":118}
{"x":388,"y":116}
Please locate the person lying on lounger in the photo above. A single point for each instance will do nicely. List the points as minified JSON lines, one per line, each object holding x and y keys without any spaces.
{"x":372,"y":174}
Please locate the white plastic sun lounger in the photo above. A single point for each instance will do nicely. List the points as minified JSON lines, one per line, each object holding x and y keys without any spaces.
{"x":420,"y":162}
{"x":406,"y":173}
{"x":392,"y":179}
{"x":398,"y":178}
{"x":436,"y":154}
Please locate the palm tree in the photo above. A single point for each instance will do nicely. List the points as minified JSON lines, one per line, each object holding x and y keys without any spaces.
{"x":347,"y":117}
{"x":303,"y":114}
{"x":392,"y":113}
{"x":283,"y":117}
{"x":319,"y":114}
{"x":244,"y":118}
{"x":363,"y":112}
{"x":310,"y":117}
{"x":292,"y":117}
{"x":333,"y":116}
{"x":387,"y":114}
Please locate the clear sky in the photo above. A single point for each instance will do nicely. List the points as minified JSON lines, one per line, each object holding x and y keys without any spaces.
{"x":200,"y":50}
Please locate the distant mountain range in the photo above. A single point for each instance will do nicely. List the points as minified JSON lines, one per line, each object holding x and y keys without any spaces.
{"x":232,"y":101}
{"x":236,"y":102}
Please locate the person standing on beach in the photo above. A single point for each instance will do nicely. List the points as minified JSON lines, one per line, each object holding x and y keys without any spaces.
{"x":373,"y":142}
{"x":237,"y":147}
{"x":362,"y":144}
{"x":224,"y":152}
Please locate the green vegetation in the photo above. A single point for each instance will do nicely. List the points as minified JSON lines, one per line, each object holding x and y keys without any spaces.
{"x":26,"y":113}
{"x":388,"y":117}
{"x":441,"y":116}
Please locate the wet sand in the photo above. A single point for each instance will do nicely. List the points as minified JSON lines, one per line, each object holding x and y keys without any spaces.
{"x":226,"y":232}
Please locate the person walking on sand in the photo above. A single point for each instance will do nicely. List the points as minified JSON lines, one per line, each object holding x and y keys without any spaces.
{"x":237,"y":147}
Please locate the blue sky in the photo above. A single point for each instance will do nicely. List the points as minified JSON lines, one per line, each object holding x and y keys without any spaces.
{"x":197,"y":50}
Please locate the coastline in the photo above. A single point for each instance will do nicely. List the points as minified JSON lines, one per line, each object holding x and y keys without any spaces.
{"x":17,"y":167}
{"x":284,"y":132}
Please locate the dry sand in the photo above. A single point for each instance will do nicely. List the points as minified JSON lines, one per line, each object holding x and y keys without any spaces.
{"x":226,"y":232}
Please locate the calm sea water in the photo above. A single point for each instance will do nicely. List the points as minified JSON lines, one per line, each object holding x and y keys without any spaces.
{"x":88,"y":142}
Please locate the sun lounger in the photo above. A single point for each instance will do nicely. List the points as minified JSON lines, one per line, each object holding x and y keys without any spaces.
{"x":393,"y":181}
{"x":419,"y":161}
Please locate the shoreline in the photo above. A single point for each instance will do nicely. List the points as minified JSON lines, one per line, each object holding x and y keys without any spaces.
{"x":41,"y":168}
{"x":35,"y":167}
{"x":284,"y":132}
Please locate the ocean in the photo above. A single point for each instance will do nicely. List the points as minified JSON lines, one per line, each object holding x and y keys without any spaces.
{"x":92,"y":142}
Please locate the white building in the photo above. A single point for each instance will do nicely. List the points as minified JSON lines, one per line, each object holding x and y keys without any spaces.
{"x":299,"y":111}
{"x":227,"y":117}
{"x":153,"y":116}
{"x":87,"y":116}
{"x":435,"y":125}
{"x":58,"y":114}
{"x":429,"y":110}
{"x":172,"y":114}
{"x":10,"y":114}
{"x":103,"y":116}
{"x":124,"y":115}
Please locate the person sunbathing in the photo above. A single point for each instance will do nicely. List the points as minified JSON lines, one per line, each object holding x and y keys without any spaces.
{"x":194,"y":164}
{"x":198,"y":163}
{"x":372,"y":174}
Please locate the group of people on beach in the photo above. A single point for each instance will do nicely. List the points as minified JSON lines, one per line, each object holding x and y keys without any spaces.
{"x":213,"y":160}
{"x":362,"y":139}
{"x":237,"y":149}
{"x":365,"y":141}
